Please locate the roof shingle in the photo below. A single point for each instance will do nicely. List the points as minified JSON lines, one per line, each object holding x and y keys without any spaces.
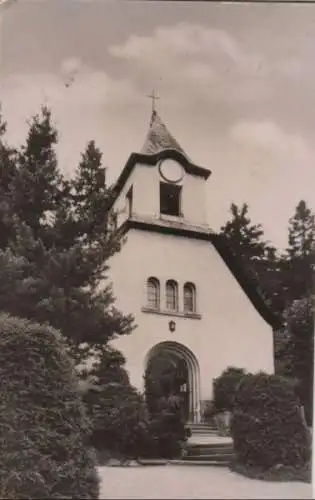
{"x":159,"y":138}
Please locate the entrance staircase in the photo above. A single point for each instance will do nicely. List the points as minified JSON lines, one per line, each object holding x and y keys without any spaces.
{"x":206,"y":447}
{"x":203,"y":429}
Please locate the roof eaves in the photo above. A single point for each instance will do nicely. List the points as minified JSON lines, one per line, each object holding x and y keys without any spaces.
{"x":152,"y":160}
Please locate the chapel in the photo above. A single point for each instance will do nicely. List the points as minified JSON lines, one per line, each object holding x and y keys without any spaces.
{"x":197,"y":311}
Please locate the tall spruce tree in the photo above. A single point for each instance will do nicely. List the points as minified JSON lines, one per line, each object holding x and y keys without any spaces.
{"x":7,"y":173}
{"x":38,"y":182}
{"x":60,"y":240}
{"x":244,"y":237}
{"x":298,"y":259}
{"x":296,"y":353}
{"x":259,"y":257}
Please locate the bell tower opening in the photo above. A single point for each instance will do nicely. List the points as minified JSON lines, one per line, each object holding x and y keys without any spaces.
{"x":161,"y":185}
{"x":129,"y":199}
{"x":170,"y":199}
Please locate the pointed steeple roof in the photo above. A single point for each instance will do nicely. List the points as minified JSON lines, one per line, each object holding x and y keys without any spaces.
{"x":159,"y":144}
{"x":159,"y":138}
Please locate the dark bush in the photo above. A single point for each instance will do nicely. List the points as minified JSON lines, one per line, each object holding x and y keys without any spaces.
{"x":267,"y":427}
{"x":119,"y":420}
{"x":122,"y":427}
{"x":162,"y":382}
{"x":116,"y":409}
{"x":284,"y":473}
{"x":43,"y":426}
{"x":209,"y":410}
{"x":224,"y":388}
{"x":167,"y":430}
{"x":297,"y":354}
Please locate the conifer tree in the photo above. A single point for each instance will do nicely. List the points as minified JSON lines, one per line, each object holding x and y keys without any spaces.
{"x":297,"y":350}
{"x":259,"y":257}
{"x":37,"y":183}
{"x":59,"y":240}
{"x":298,"y":259}
{"x":109,"y":369}
{"x":244,"y":237}
{"x":7,"y":173}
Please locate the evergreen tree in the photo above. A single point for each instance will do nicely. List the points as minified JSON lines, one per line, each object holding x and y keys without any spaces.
{"x":117,"y":410}
{"x":7,"y":173}
{"x":296,"y":351}
{"x":258,"y":256}
{"x":37,"y":183}
{"x":298,"y":260}
{"x":109,"y":369}
{"x":301,"y":231}
{"x":244,"y":237}
{"x":60,"y":238}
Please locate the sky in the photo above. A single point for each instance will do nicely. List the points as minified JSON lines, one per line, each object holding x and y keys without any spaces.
{"x":236,"y":84}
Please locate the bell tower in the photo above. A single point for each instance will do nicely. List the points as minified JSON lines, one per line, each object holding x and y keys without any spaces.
{"x":191,"y":299}
{"x":160,"y":184}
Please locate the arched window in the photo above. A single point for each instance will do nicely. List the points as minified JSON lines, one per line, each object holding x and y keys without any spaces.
{"x":189,"y":298}
{"x":153,"y":293}
{"x":171,"y":295}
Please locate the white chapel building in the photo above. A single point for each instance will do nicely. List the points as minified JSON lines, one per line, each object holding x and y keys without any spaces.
{"x":190,"y":297}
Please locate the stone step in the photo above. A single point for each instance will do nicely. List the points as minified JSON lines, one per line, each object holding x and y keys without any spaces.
{"x":207,"y":451}
{"x":201,"y":430}
{"x":214,"y":445}
{"x":210,"y":457}
{"x":211,"y":463}
{"x":215,"y":453}
{"x":201,"y":425}
{"x":204,"y":433}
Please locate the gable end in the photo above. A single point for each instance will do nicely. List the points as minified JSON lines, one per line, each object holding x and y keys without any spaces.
{"x":247,"y":283}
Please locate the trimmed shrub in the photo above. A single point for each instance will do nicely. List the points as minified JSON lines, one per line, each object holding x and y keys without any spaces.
{"x":43,"y":426}
{"x":222,"y":422}
{"x":162,"y":381}
{"x":208,"y":410}
{"x":167,"y":430}
{"x":266,"y":426}
{"x":298,"y":352}
{"x":224,"y":388}
{"x":117,"y":410}
{"x":276,"y":474}
{"x":119,"y":420}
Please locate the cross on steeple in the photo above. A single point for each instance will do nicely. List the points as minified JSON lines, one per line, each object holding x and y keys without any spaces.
{"x":154,"y":98}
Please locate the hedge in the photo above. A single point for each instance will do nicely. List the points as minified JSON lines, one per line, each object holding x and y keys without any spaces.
{"x":43,"y":427}
{"x":267,"y":426}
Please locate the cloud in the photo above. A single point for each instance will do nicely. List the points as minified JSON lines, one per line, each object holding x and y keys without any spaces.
{"x":86,"y":104}
{"x":188,"y":41}
{"x":6,"y":3}
{"x":280,"y":162}
{"x":191,"y":62}
{"x":76,"y":87}
{"x":196,"y":62}
{"x":71,"y":65}
{"x":268,"y":137}
{"x":267,"y":165}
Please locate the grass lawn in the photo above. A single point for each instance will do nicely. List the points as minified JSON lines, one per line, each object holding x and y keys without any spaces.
{"x":184,"y":482}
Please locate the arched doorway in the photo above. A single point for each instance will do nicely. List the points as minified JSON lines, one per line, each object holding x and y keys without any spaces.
{"x":175,"y":371}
